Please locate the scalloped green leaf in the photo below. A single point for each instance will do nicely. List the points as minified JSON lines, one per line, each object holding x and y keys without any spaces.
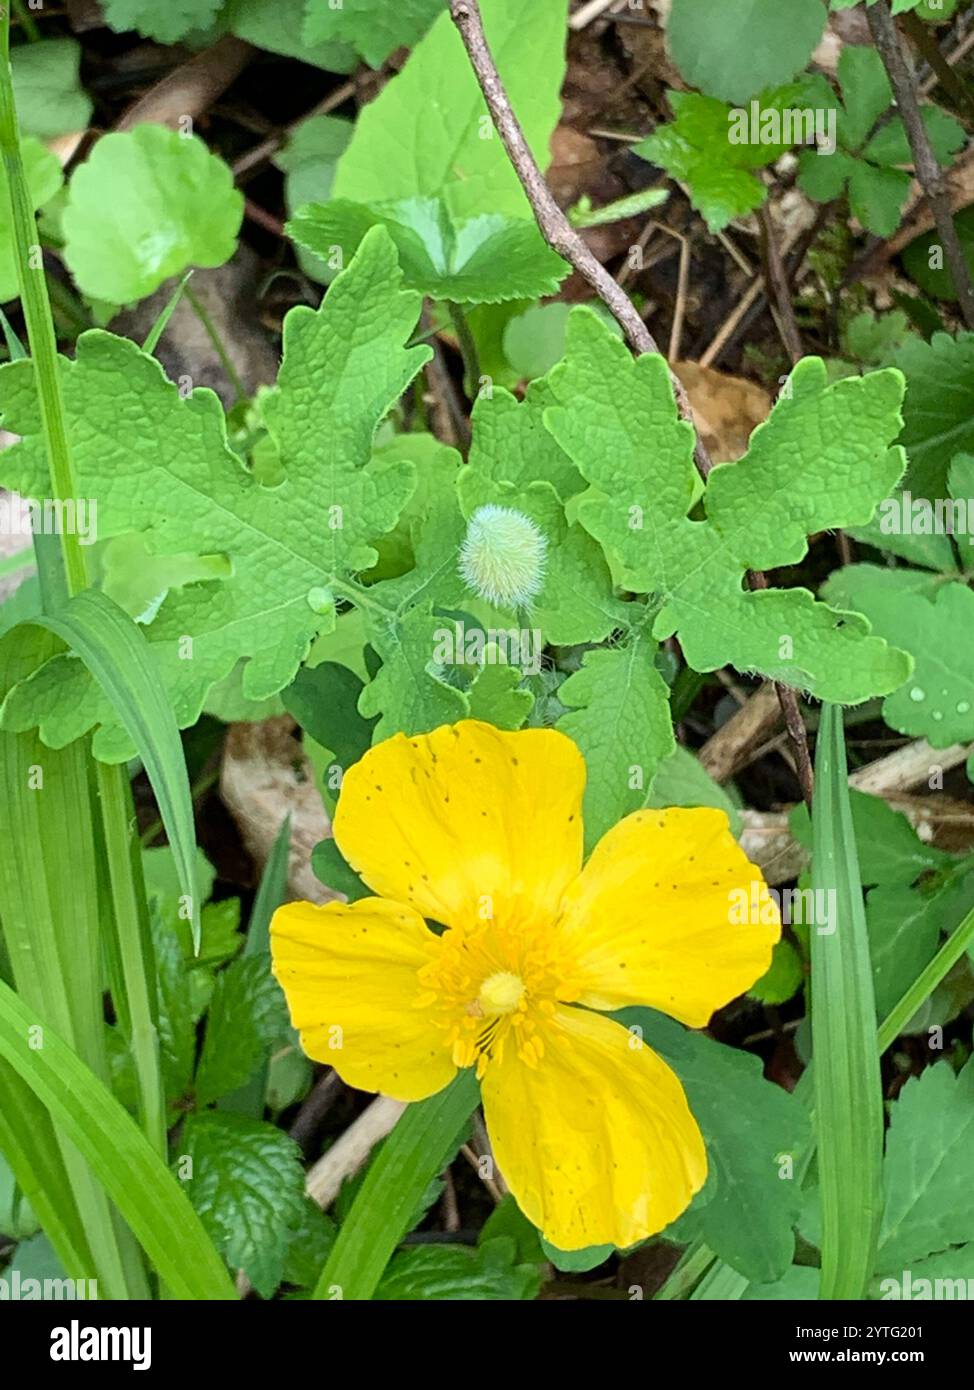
{"x":697,"y":149}
{"x":497,"y":698}
{"x":515,"y":462}
{"x":166,"y":23}
{"x":148,"y":203}
{"x":278,"y":25}
{"x":870,"y":154}
{"x":733,"y":49}
{"x":929,"y":1195}
{"x":938,"y":413}
{"x":47,"y":89}
{"x":822,"y":459}
{"x":929,"y":618}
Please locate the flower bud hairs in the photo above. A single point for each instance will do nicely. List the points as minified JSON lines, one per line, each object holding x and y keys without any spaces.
{"x":502,"y":557}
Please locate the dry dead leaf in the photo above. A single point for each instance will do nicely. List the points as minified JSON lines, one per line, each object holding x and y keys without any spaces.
{"x":725,"y":408}
{"x":264,"y":777}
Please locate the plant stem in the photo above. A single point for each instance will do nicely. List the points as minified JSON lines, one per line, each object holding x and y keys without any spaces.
{"x":925,"y":41}
{"x":930,"y":176}
{"x":211,"y":332}
{"x":468,"y":350}
{"x":136,"y":1001}
{"x":555,"y":227}
{"x":694,"y":1263}
{"x":26,"y":21}
{"x":927,"y":981}
{"x":37,"y":313}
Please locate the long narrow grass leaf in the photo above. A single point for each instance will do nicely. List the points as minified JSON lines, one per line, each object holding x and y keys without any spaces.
{"x":117,"y":655}
{"x":150,"y":1199}
{"x":848,"y":1090}
{"x":413,"y":1154}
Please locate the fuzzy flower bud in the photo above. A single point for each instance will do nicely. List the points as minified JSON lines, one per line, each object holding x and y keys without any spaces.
{"x":502,"y":557}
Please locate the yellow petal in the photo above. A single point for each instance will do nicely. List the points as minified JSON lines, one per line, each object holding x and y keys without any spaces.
{"x":467,"y":824}
{"x":350,"y":975}
{"x":656,"y":917}
{"x":596,"y":1140}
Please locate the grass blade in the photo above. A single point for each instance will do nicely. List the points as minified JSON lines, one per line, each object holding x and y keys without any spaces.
{"x":117,"y":655}
{"x":412,"y":1155}
{"x":150,"y":1199}
{"x":848,"y":1088}
{"x":49,"y":903}
{"x":29,"y":1144}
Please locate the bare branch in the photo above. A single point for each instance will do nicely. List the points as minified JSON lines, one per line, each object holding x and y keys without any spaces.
{"x":930,"y":176}
{"x":557,"y":231}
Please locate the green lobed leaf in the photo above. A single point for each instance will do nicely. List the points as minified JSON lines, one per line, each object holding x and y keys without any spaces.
{"x":949,"y":1275}
{"x":937,"y":702}
{"x":871,"y":147}
{"x":697,"y":149}
{"x":324,"y":701}
{"x":929,"y":1195}
{"x":446,"y":1273}
{"x":938,"y":412}
{"x":496,"y":696}
{"x":309,"y":160}
{"x":682,"y":780}
{"x":480,"y":260}
{"x":279,"y":27}
{"x":160,"y":465}
{"x":166,"y":23}
{"x":619,"y":716}
{"x":373,"y":28}
{"x":822,"y":459}
{"x":783,"y":978}
{"x":889,"y":849}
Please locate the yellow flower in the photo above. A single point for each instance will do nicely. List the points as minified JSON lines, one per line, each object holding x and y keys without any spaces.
{"x":480,"y":831}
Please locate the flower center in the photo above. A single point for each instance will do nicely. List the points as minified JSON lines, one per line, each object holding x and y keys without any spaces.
{"x":493,"y":986}
{"x":501,"y":992}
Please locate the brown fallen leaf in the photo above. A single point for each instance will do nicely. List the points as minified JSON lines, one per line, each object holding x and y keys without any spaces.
{"x":264,"y":777}
{"x":725,"y":408}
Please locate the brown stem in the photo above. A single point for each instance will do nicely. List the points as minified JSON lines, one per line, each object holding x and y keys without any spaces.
{"x":554,"y":225}
{"x":930,"y":176}
{"x":562,"y":237}
{"x":779,"y":290}
{"x":925,"y":42}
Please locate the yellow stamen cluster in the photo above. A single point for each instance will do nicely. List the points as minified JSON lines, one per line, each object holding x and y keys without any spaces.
{"x":490,"y":984}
